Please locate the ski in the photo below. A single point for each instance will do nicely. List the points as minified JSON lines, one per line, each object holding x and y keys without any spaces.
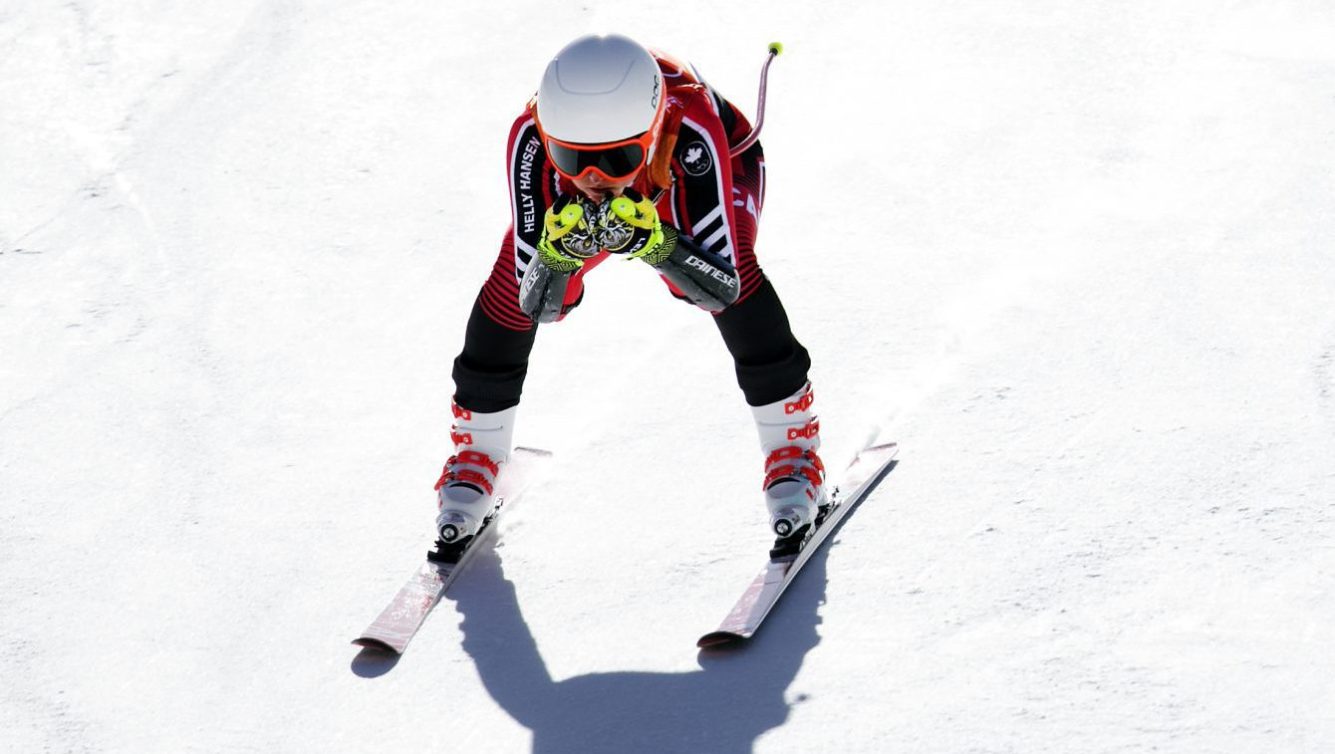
{"x":863,"y":474}
{"x":400,"y":620}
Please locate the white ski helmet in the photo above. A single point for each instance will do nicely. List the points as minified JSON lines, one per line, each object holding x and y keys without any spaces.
{"x":601,"y":90}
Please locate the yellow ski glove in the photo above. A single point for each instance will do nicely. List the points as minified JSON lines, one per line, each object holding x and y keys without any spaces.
{"x":629,"y":224}
{"x":568,"y":236}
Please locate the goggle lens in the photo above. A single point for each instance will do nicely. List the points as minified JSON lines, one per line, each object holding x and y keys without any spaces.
{"x":617,"y":161}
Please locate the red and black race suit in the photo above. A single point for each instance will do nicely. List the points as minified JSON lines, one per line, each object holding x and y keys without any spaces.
{"x":712,"y":198}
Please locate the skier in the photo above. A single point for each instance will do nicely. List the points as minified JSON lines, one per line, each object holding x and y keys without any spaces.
{"x":627,"y":151}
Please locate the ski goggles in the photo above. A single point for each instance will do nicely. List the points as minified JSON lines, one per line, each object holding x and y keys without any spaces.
{"x":614,"y":161}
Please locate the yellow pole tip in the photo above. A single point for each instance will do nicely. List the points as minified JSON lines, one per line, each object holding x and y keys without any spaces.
{"x":776,"y":48}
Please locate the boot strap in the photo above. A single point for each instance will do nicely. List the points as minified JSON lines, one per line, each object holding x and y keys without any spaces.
{"x":792,"y":462}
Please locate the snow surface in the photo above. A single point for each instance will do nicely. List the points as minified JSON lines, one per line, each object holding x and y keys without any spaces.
{"x":1075,"y":257}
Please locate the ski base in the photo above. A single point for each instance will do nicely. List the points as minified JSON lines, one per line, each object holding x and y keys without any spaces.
{"x":863,"y":474}
{"x":400,"y":620}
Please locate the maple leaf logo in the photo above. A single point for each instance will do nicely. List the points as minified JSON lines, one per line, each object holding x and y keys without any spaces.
{"x":696,"y":159}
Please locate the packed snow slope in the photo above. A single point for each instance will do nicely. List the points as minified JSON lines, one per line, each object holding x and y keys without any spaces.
{"x":1075,"y":257}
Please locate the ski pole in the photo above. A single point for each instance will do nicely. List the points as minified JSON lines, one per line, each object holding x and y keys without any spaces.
{"x":775,"y":48}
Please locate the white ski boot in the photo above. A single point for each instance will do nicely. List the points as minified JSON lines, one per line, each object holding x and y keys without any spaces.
{"x":794,"y":475}
{"x":466,"y":491}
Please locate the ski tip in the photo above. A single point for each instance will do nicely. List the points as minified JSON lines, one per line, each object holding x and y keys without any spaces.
{"x":367,"y":642}
{"x":720,"y":640}
{"x":884,"y":449}
{"x":538,"y":452}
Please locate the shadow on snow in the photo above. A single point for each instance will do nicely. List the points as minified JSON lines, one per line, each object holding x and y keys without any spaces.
{"x":737,"y":695}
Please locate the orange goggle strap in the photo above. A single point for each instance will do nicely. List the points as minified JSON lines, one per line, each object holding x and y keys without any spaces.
{"x":660,"y":170}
